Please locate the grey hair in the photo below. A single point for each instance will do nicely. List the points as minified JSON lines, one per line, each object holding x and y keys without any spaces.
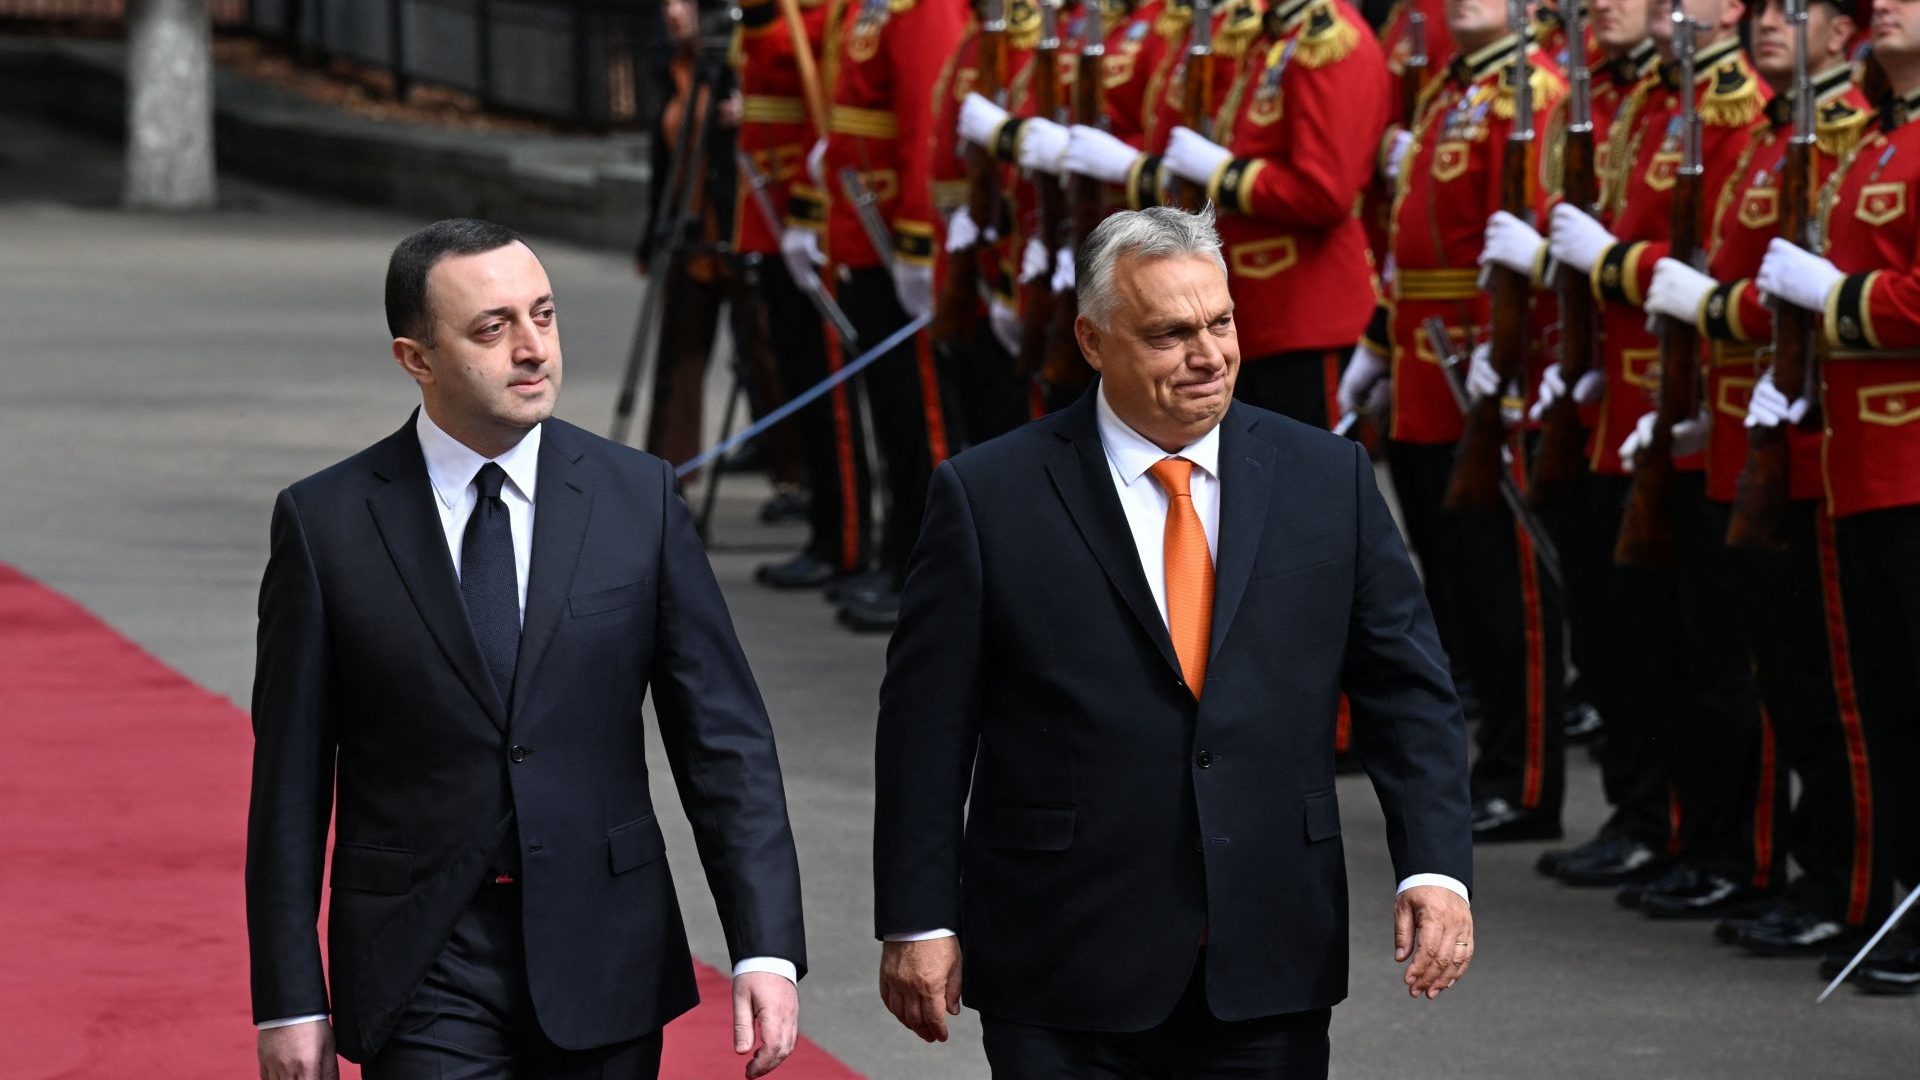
{"x":1158,"y":232}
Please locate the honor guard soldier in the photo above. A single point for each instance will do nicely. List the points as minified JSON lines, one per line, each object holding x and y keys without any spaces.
{"x":1867,"y":291}
{"x":1292,"y":152}
{"x":876,"y":167}
{"x":1585,"y":519}
{"x":1792,"y":598}
{"x":777,"y":127}
{"x":1497,"y":616}
{"x":1681,"y":790}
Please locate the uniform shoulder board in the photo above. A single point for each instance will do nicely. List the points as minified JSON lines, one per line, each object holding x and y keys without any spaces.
{"x":1545,"y":85}
{"x":900,"y":7}
{"x":1023,"y":23}
{"x":1239,"y":29}
{"x":1328,"y":36}
{"x":1734,"y":98}
{"x":1173,"y":20}
{"x":1838,"y":126}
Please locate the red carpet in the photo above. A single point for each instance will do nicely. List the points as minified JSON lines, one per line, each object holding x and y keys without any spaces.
{"x":123,"y":794}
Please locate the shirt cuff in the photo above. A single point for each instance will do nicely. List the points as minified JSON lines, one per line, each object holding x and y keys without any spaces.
{"x":773,"y":964}
{"x":918,"y":935}
{"x":267,"y":1025}
{"x":1452,"y":885}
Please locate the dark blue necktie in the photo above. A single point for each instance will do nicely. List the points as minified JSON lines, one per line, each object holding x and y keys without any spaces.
{"x":488,"y":580}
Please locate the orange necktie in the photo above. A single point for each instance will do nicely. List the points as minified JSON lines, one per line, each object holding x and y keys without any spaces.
{"x":1189,"y":572}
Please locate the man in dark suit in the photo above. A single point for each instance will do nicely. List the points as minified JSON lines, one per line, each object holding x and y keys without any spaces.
{"x":458,"y":626}
{"x":1125,"y":636}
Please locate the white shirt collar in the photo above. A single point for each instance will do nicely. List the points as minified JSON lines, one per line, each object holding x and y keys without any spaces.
{"x":451,"y":463}
{"x":1132,"y":453}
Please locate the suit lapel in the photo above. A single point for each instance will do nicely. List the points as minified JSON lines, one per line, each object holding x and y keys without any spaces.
{"x":410,"y":527}
{"x":1247,"y":467}
{"x":1084,"y":480}
{"x":562,"y":506}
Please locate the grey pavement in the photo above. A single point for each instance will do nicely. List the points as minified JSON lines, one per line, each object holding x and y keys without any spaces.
{"x":161,"y":377}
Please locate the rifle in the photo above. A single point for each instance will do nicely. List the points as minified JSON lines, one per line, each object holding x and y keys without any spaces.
{"x":1065,"y":368}
{"x":1451,"y":360}
{"x":1037,"y":308}
{"x":957,"y":309}
{"x":1413,"y":75}
{"x":1646,"y":533}
{"x":1476,"y":466}
{"x":1760,"y":499}
{"x":1560,"y":457}
{"x":1196,"y":96}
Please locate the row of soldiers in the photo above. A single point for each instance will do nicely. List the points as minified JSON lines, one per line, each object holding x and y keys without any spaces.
{"x":1626,"y":294}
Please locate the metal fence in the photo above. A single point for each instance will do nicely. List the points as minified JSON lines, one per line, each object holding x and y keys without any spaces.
{"x":580,"y":61}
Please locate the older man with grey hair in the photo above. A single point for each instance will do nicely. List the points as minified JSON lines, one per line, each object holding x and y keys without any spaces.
{"x":1105,"y":748}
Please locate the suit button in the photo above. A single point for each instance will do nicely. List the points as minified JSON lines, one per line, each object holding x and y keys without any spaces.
{"x":518,"y":754}
{"x":1204,"y":759}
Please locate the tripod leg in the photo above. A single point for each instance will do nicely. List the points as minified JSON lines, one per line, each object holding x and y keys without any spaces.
{"x":734,"y":397}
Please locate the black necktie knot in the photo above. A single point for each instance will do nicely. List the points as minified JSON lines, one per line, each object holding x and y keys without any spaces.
{"x":490,"y":478}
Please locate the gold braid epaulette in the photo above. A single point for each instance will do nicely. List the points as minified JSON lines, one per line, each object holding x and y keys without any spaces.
{"x":1734,"y":98}
{"x":1238,"y":30}
{"x":1545,"y":85}
{"x":900,"y":7}
{"x":1838,"y":127}
{"x":1023,"y":25}
{"x":1173,"y":20}
{"x":1328,"y":38}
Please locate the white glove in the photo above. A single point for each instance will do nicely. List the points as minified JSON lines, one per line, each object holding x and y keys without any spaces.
{"x":1768,"y":407}
{"x":1553,"y":387}
{"x":1063,"y":270}
{"x":913,"y":284}
{"x":1689,"y":438}
{"x":1482,"y":380}
{"x":1577,"y":239}
{"x":1092,"y":152}
{"x":979,"y":119}
{"x":1397,"y":152}
{"x":1006,"y":325}
{"x":1363,"y":386}
{"x":962,"y":233}
{"x":1511,"y":243}
{"x":1796,"y":275}
{"x":1677,"y":290}
{"x":800,"y":250}
{"x":1193,"y":156}
{"x":1034,"y":260}
{"x":1042,"y":144}
{"x":817,"y":164}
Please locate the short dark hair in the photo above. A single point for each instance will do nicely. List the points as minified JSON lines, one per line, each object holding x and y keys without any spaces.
{"x":414,"y":257}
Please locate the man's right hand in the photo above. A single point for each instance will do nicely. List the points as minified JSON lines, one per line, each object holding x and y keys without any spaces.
{"x":298,"y":1052}
{"x":920,"y":983}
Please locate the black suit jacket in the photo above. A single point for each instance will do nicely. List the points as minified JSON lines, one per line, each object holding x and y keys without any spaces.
{"x":366,"y":659}
{"x":1114,"y":820}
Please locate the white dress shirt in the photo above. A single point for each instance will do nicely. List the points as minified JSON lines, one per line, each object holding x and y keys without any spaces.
{"x":1129,"y":456}
{"x":451,"y":468}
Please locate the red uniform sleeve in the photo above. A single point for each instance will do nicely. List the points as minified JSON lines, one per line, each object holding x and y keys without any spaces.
{"x":932,"y":28}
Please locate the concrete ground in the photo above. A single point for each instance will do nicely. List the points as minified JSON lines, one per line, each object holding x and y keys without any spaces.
{"x":161,"y":377}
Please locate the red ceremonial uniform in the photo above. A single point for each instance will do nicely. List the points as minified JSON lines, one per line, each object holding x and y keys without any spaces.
{"x":879,"y":65}
{"x":1134,"y":52}
{"x":1449,"y":184}
{"x":1732,"y":318}
{"x":1643,"y":157}
{"x":1301,"y":119}
{"x":1871,"y":391}
{"x":1397,"y":44}
{"x":775,"y":131}
{"x":1235,"y":26}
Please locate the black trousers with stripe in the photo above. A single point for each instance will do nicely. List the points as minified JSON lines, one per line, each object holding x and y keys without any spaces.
{"x":1880,"y":584}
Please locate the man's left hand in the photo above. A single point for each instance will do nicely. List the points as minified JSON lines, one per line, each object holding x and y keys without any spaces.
{"x":766,"y":1019}
{"x":1433,"y":927}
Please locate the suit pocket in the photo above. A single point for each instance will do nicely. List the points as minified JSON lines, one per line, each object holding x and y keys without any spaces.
{"x":1323,"y":817}
{"x":372,"y":868}
{"x":620,"y":596}
{"x":634,"y":844}
{"x":1267,"y":573}
{"x":1031,"y":828}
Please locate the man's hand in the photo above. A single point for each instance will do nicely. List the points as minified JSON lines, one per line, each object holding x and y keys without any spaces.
{"x":920,"y":979}
{"x":298,"y":1052}
{"x":1433,"y":927}
{"x":766,"y":1019}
